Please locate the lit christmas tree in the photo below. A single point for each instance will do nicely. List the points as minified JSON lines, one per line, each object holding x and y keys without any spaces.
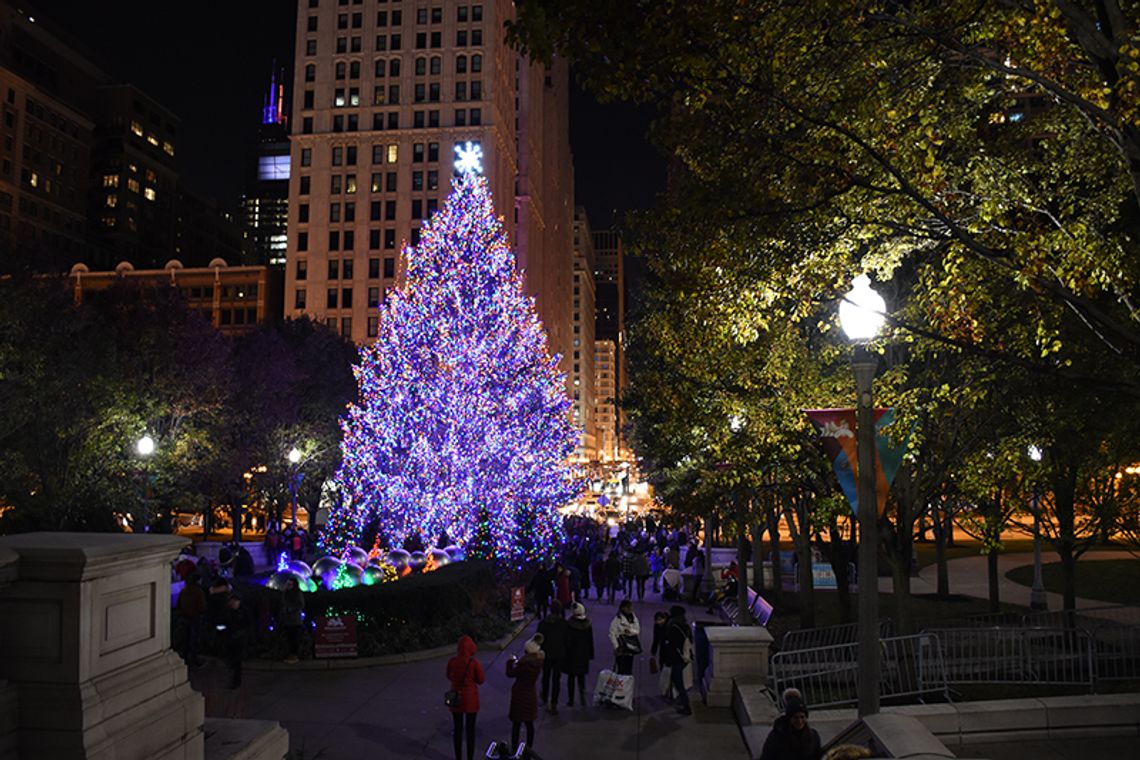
{"x":463,"y":429}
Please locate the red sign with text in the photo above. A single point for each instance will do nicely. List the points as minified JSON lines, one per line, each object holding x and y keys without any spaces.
{"x":336,"y":636}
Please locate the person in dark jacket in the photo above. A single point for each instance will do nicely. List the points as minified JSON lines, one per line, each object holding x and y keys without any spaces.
{"x":542,"y":586}
{"x":660,"y":624}
{"x":191,"y":609}
{"x":524,"y":698}
{"x":791,"y":737}
{"x":601,"y":581}
{"x":553,"y":630}
{"x":465,"y":673}
{"x":676,"y":654}
{"x":235,"y":630}
{"x":579,"y":652}
{"x":291,"y":617}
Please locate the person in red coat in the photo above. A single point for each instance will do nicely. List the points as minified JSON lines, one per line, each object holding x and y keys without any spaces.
{"x":524,"y":695}
{"x":465,"y":674}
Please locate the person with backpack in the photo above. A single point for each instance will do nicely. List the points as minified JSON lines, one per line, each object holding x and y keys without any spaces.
{"x":677,"y":654}
{"x":465,"y":673}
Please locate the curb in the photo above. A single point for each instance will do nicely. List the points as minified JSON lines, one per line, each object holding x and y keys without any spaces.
{"x":420,"y":655}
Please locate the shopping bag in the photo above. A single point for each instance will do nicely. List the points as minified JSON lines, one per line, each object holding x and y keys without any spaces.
{"x":664,"y":681}
{"x":605,"y":687}
{"x":623,"y":691}
{"x":615,"y":689}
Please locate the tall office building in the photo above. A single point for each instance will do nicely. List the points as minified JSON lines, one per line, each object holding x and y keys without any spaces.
{"x":87,"y":163}
{"x":609,"y":281}
{"x":605,"y":399}
{"x":582,"y":359}
{"x":383,"y":92}
{"x":265,"y":205}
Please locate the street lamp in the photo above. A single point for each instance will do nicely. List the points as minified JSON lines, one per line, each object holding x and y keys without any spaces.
{"x":861,"y":316}
{"x":1037,"y":598}
{"x":294,"y":458}
{"x":144,"y":447}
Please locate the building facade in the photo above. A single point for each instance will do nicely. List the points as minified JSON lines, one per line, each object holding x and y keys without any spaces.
{"x":234,"y":299}
{"x":582,"y":358}
{"x":87,"y":164}
{"x":605,"y":399}
{"x":382,"y":94}
{"x":609,"y":281}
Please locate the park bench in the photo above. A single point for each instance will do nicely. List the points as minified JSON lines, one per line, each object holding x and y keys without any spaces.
{"x":759,"y":609}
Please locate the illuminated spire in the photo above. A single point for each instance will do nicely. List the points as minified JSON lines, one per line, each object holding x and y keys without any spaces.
{"x":273,"y":108}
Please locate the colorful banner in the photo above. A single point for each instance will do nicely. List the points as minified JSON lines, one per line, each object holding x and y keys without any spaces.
{"x":836,"y":429}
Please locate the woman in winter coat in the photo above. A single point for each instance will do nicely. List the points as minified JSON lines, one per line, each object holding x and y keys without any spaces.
{"x":579,"y":652}
{"x":465,"y":674}
{"x":791,"y":737}
{"x":524,"y":697}
{"x":625,"y":636}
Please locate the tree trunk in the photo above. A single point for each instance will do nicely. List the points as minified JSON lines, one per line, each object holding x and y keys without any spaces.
{"x":774,"y":543}
{"x":992,"y":576}
{"x":939,"y":529}
{"x":949,"y":530}
{"x":758,"y":558}
{"x":1068,"y":574}
{"x":744,"y":616}
{"x":235,"y":516}
{"x":903,"y":616}
{"x":840,"y":559}
{"x":797,"y":518}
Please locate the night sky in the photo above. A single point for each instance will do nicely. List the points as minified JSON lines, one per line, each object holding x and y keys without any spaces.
{"x":210,"y":64}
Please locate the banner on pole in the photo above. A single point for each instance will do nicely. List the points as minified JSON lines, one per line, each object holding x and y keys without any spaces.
{"x":836,"y":428}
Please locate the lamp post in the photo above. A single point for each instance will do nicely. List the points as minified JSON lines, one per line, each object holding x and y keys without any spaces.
{"x":1037,"y":598}
{"x":144,"y":447}
{"x":861,"y":316}
{"x":294,"y":458}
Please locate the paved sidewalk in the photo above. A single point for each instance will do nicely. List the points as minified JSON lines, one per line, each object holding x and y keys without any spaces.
{"x":968,"y":576}
{"x":397,"y":711}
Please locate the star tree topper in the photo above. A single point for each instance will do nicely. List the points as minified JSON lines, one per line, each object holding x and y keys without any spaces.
{"x":469,"y":158}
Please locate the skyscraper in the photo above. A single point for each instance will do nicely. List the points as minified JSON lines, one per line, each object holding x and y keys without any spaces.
{"x":383,"y":92}
{"x":582,"y":379}
{"x":609,"y":282}
{"x":265,"y":205}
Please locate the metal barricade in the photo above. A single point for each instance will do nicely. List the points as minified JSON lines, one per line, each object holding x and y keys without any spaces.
{"x":1089,"y":618}
{"x":1116,"y":652}
{"x":1017,"y":655}
{"x":910,"y":666}
{"x":829,"y":636}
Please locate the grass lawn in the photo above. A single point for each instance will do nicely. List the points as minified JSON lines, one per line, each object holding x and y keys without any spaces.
{"x":1108,"y":580}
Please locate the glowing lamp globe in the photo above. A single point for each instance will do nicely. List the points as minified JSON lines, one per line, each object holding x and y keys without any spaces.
{"x":1034,"y":453}
{"x":294,"y":456}
{"x":145,"y":446}
{"x":861,"y":311}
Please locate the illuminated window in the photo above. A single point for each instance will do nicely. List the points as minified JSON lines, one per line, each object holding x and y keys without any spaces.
{"x":149,"y":194}
{"x":34,"y":180}
{"x":150,"y":177}
{"x":137,"y":128}
{"x":133,"y":185}
{"x":168,"y":147}
{"x":152,"y":140}
{"x":108,"y":221}
{"x":393,"y":153}
{"x":110,"y":180}
{"x":350,"y":183}
{"x":112,"y":200}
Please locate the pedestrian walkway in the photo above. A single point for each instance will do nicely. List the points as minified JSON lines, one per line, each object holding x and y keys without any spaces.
{"x":969,"y":577}
{"x":397,"y":711}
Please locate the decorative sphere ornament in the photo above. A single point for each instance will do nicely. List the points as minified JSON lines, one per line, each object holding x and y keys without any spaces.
{"x":417,"y":562}
{"x":300,"y":568}
{"x":455,"y":552}
{"x":278,"y":580}
{"x":354,"y":572}
{"x":373,"y":576}
{"x":399,"y":559}
{"x":357,"y":556}
{"x":440,"y":557}
{"x":326,"y":565}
